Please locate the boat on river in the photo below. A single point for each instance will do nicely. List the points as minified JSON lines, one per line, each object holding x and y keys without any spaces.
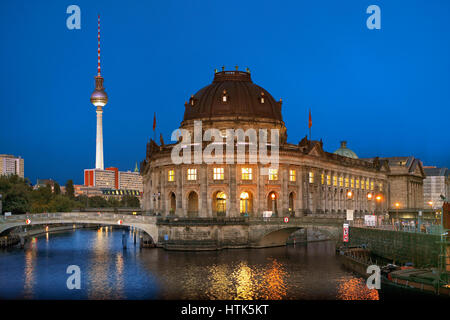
{"x":425,"y":282}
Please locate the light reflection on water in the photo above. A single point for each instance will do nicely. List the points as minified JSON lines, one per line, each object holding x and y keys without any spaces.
{"x":108,"y":272}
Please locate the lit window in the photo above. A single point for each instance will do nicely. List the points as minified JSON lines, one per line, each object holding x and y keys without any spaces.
{"x":171,"y":175}
{"x":262,"y":97}
{"x":192,"y":174}
{"x":328,"y":180}
{"x":346,"y":182}
{"x":273,"y":174}
{"x":334,"y":181}
{"x":341,"y":181}
{"x":224,"y":96}
{"x":218,"y":173}
{"x":311,"y":177}
{"x":246,"y":173}
{"x":357,"y":183}
{"x":292,"y":176}
{"x":371,"y":185}
{"x":352,"y":183}
{"x":367,"y":184}
{"x":381,"y":187}
{"x":322,"y":178}
{"x":362,"y":184}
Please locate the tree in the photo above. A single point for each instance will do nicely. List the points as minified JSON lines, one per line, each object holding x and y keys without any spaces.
{"x":70,"y":191}
{"x":56,"y":188}
{"x":98,"y":202}
{"x":16,"y":194}
{"x":130,"y":201}
{"x":61,"y":203}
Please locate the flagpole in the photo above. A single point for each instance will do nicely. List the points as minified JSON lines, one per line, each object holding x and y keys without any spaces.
{"x":154,"y":127}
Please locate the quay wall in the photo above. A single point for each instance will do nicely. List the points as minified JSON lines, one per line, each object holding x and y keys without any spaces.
{"x":401,"y":247}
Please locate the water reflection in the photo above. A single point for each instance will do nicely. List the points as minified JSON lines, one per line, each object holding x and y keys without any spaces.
{"x":355,"y":289}
{"x":110,"y":272}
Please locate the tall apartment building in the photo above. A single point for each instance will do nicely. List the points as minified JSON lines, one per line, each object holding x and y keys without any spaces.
{"x":99,"y":178}
{"x":131,"y":181}
{"x":112,"y":178}
{"x":436,"y":183}
{"x":10,"y":164}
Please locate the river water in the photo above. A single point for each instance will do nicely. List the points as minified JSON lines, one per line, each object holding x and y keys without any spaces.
{"x":308,"y":271}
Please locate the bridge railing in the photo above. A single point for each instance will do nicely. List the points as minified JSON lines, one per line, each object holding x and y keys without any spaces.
{"x":74,"y":216}
{"x":296,"y":220}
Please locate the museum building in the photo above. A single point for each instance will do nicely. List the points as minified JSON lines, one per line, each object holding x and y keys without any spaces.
{"x":307,"y":180}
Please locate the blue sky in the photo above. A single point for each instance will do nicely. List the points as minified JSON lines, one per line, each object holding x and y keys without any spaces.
{"x":384,"y":91}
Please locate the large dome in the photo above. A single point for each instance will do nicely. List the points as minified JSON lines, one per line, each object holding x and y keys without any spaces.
{"x":346,"y":152}
{"x":232,"y":94}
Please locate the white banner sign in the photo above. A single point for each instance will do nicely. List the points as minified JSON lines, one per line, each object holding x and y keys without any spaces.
{"x":370,"y":220}
{"x":349,"y":215}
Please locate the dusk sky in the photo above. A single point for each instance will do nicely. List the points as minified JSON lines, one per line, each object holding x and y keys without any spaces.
{"x":386,"y":92}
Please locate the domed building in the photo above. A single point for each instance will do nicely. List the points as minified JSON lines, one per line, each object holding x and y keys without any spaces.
{"x":305,"y":180}
{"x":346,"y":152}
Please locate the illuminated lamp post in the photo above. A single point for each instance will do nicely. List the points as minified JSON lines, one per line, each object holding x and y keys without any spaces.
{"x":397,"y":205}
{"x":378,"y":199}
{"x":349,"y":198}
{"x":273,"y":196}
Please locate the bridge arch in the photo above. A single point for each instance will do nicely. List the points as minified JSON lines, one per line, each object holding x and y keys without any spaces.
{"x":148,"y":226}
{"x":275,"y":238}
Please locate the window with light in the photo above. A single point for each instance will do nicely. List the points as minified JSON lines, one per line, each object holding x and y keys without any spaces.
{"x":219,"y":173}
{"x":328,"y":180}
{"x":346,"y":182}
{"x":292,"y":176}
{"x":311,"y":177}
{"x":334,"y":181}
{"x":357,"y":183}
{"x":341,"y":181}
{"x":192,"y":174}
{"x":352,"y":183}
{"x":322,"y":178}
{"x":273,"y":174}
{"x":246,"y":173}
{"x":371,"y":185}
{"x":171,"y":175}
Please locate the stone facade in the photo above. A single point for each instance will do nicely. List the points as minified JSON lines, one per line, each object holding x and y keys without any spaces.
{"x":308,"y":180}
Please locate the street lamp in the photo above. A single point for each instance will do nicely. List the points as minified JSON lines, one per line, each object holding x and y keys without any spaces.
{"x":273,"y":196}
{"x":397,"y":205}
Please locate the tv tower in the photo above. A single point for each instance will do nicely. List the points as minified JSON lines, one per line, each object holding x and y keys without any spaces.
{"x":99,"y":98}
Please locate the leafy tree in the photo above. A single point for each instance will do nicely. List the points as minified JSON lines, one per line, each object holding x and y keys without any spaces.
{"x":61,"y":203}
{"x":98,"y":202}
{"x":56,"y":188}
{"x":16,"y":194}
{"x":113,"y":202}
{"x":70,"y":191}
{"x":130,"y":201}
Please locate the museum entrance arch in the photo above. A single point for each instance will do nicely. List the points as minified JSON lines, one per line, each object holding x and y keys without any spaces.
{"x":192,"y":204}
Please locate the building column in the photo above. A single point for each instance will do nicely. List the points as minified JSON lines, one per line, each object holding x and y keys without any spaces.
{"x":203,"y":210}
{"x":164,"y":210}
{"x":179,"y":199}
{"x":284,"y":191}
{"x":232,"y":190}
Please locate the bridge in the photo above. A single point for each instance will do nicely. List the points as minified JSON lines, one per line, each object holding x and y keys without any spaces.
{"x":174,"y":233}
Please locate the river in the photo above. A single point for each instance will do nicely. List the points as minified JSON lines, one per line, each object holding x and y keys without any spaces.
{"x":307,"y":271}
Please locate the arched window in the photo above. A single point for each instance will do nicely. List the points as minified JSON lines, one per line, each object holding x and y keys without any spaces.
{"x":245,"y":203}
{"x":221,"y":203}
